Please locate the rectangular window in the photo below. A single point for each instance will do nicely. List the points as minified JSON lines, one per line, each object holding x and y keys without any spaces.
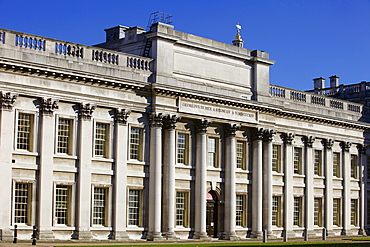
{"x":182,"y":148}
{"x":181,"y":209}
{"x":354,"y":166}
{"x":100,"y":205}
{"x":135,"y":144}
{"x":297,"y":213}
{"x":22,"y":203}
{"x":240,"y":155}
{"x":336,"y":165}
{"x":24,"y":134}
{"x":298,"y":160}
{"x":336,"y":212}
{"x":62,"y":204}
{"x":318,"y":162}
{"x":354,"y":210}
{"x":101,"y":140}
{"x":276,"y":211}
{"x":134,"y":207}
{"x":240,"y":208}
{"x":64,"y":136}
{"x":276,"y":158}
{"x":368,"y":167}
{"x":212,"y":152}
{"x":368,"y":212}
{"x":318,"y":212}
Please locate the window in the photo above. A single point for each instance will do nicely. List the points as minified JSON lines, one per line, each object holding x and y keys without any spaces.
{"x":212,"y":152}
{"x":368,"y":167}
{"x":240,"y":155}
{"x":336,"y":165}
{"x":336,"y":212}
{"x":24,"y":134}
{"x":64,"y":136}
{"x":62,"y":204}
{"x":297,"y":160}
{"x":318,"y":162}
{"x":297,"y":213}
{"x":134,"y":207}
{"x":101,"y":140}
{"x":181,"y":209}
{"x":182,"y":148}
{"x":354,"y":209}
{"x":276,"y":211}
{"x":368,"y":212}
{"x":22,"y":203}
{"x":354,"y":166}
{"x":318,"y":212}
{"x":276,"y":158}
{"x":100,"y":206}
{"x":240,"y":205}
{"x":135,"y":144}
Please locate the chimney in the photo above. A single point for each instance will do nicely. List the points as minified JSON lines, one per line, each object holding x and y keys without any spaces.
{"x":319,"y":83}
{"x":334,"y":81}
{"x":115,"y":33}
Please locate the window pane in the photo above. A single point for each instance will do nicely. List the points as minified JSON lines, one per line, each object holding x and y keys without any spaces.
{"x":100,"y":197}
{"x":354,"y":212}
{"x":24,"y":131}
{"x":64,"y":131}
{"x":181,"y":208}
{"x":133,"y":207}
{"x":21,"y":203}
{"x":240,"y":160}
{"x":101,"y":139}
{"x":297,"y":219}
{"x":318,"y":212}
{"x":318,"y":162}
{"x":276,"y":211}
{"x":276,"y":157}
{"x":135,"y":141}
{"x":212,"y":155}
{"x":181,"y":148}
{"x":336,"y":165}
{"x":354,"y":166}
{"x":240,"y":210}
{"x":62,"y":204}
{"x":336,"y":212}
{"x":298,"y":160}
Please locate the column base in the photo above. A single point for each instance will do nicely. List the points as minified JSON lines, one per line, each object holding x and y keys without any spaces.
{"x":7,"y":235}
{"x":362,"y":232}
{"x":201,"y":236}
{"x":121,"y":236}
{"x":346,"y":232}
{"x":311,"y":234}
{"x":330,"y":233}
{"x":170,"y":236}
{"x":82,"y":235}
{"x":231,"y":236}
{"x":257,"y":234}
{"x":290,"y":234}
{"x":270,"y":235}
{"x":154,"y":236}
{"x":45,"y":235}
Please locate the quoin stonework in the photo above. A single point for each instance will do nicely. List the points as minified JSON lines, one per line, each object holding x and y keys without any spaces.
{"x":161,"y":134}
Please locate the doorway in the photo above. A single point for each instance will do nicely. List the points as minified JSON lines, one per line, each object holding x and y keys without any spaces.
{"x":212,"y":213}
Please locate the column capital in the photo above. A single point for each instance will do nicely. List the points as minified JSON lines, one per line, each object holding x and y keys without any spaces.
{"x":169,"y":121}
{"x":121,"y":115}
{"x":268,"y":135}
{"x":288,"y":138}
{"x":308,"y":141}
{"x":201,"y":125}
{"x":362,"y":148}
{"x":230,"y":129}
{"x":257,"y":134}
{"x":7,"y":100}
{"x":156,"y":119}
{"x":86,"y":111}
{"x":48,"y":106}
{"x":328,"y":143}
{"x":345,"y":146}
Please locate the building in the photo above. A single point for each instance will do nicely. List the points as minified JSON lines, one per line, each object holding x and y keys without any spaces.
{"x":164,"y":134}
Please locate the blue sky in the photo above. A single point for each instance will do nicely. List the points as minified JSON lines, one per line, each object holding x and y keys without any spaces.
{"x":306,"y":38}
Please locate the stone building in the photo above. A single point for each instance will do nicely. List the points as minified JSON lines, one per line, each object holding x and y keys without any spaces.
{"x":164,"y":134}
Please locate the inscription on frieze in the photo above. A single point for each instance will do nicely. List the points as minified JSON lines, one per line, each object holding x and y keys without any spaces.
{"x":217,"y":111}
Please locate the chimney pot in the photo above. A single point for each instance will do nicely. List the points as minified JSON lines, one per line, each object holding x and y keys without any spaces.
{"x":319,"y":83}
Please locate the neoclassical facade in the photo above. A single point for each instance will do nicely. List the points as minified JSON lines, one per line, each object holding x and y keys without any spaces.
{"x":161,"y":134}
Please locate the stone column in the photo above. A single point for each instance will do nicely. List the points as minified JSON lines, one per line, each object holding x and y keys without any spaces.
{"x":169,"y":191}
{"x":83,"y":201}
{"x":328,"y":163}
{"x":6,"y":151}
{"x":230,"y":166}
{"x":267,"y":181}
{"x":309,"y":191}
{"x":45,"y":173}
{"x":201,"y":126}
{"x":257,"y":183}
{"x":155,"y":177}
{"x":120,"y":178}
{"x":288,"y":184}
{"x":362,"y":209}
{"x":346,"y":198}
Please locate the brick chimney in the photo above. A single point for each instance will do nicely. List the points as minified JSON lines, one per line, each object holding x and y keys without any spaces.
{"x":319,"y":83}
{"x":334,"y":81}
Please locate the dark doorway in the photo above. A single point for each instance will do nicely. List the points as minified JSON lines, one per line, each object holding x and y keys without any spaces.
{"x":212,"y":213}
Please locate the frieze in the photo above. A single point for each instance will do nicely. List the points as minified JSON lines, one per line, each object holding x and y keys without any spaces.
{"x":230,"y":113}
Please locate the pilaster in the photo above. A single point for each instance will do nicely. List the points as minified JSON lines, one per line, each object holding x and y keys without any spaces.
{"x":201,"y":126}
{"x":230,"y":196}
{"x":45,"y":174}
{"x":120,"y":178}
{"x":346,"y":199}
{"x":155,"y":177}
{"x":6,"y":151}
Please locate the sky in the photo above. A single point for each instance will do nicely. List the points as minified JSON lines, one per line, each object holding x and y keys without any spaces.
{"x":307,"y":38}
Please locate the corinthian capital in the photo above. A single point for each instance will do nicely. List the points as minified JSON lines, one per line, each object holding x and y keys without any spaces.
{"x":201,"y":125}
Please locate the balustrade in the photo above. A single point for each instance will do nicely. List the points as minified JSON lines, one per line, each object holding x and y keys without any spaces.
{"x":298,"y":96}
{"x":29,"y":42}
{"x":336,"y":104}
{"x":2,"y":37}
{"x":105,"y":57}
{"x":277,"y":92}
{"x":138,"y":63}
{"x":317,"y":100}
{"x":70,"y":50}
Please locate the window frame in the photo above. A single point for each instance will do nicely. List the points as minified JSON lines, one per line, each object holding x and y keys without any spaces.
{"x":70,"y":204}
{"x":298,"y":212}
{"x":31,"y":206}
{"x":72,"y":132}
{"x":216,"y":152}
{"x":337,"y":165}
{"x":277,"y":159}
{"x":243,"y":158}
{"x":107,"y":142}
{"x":186,"y":148}
{"x":32,"y":131}
{"x":185,"y":209}
{"x":354,"y":166}
{"x":298,"y":161}
{"x":243,"y":221}
{"x":106,"y":205}
{"x":139,"y":214}
{"x":337,"y":220}
{"x":318,"y":211}
{"x":278,"y":211}
{"x":140,"y":144}
{"x":354,"y":212}
{"x":318,"y":162}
